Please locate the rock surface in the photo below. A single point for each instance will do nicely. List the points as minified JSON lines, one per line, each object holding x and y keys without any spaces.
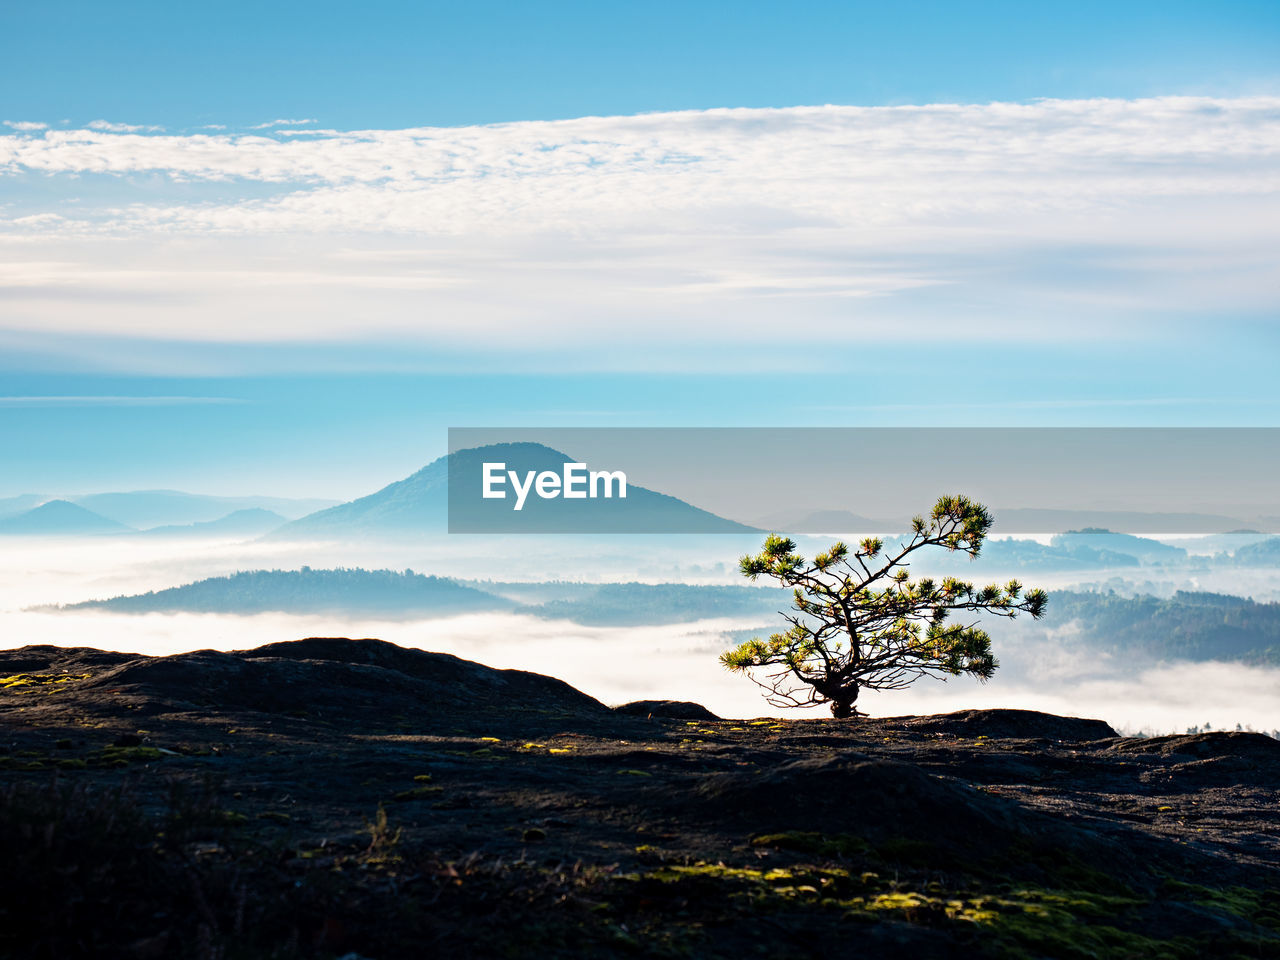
{"x":331,"y":796}
{"x":668,"y":709}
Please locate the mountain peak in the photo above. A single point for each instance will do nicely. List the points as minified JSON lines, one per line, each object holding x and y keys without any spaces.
{"x":59,"y":517}
{"x":421,"y":503}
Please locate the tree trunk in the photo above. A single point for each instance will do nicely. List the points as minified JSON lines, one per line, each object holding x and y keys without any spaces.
{"x":842,"y":703}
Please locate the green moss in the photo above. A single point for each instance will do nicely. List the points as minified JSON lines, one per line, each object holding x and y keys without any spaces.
{"x":19,"y":681}
{"x":1067,"y":869}
{"x":834,"y":845}
{"x":13,"y":763}
{"x":1066,"y":924}
{"x":383,"y":840}
{"x":717,"y":871}
{"x":1253,"y":906}
{"x":1017,"y":922}
{"x":121,"y":756}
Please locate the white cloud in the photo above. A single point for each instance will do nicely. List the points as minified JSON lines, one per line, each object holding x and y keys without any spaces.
{"x":282,"y":123}
{"x":25,"y":126}
{"x":892,"y":164}
{"x":38,"y":220}
{"x":1041,"y":670}
{"x":1055,"y":218}
{"x":106,"y":126}
{"x":618,"y":664}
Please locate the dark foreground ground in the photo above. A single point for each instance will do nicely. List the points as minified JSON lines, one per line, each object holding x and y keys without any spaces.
{"x":339,"y":798}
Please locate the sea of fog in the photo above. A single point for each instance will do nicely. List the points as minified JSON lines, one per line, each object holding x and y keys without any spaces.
{"x":1039,"y":669}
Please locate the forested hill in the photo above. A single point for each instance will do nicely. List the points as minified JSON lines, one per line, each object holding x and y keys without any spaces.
{"x":408,"y":594}
{"x":310,"y":591}
{"x":1187,"y":626}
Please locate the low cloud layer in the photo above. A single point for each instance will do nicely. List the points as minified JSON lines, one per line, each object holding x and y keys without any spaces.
{"x":1096,"y":218}
{"x":1040,"y":670}
{"x":619,"y":664}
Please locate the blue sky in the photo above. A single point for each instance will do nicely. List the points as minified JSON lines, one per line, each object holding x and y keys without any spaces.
{"x":447,"y":64}
{"x":281,"y":248}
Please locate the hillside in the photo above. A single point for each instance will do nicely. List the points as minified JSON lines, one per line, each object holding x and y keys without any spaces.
{"x":1014,"y":554}
{"x":145,"y":509}
{"x":239,"y":523}
{"x":1144,"y":549}
{"x":59,"y":518}
{"x":309,"y":591}
{"x":1019,"y":521}
{"x":9,"y":506}
{"x":332,"y":797}
{"x":422,"y":503}
{"x":1264,"y":553}
{"x":1080,"y":550}
{"x":408,"y":594}
{"x":1187,"y":626}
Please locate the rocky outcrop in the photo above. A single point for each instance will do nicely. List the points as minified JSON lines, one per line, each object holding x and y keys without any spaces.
{"x":668,"y":709}
{"x":1021,"y":724}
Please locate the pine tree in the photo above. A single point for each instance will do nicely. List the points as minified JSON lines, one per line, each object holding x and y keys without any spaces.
{"x":859,"y":622}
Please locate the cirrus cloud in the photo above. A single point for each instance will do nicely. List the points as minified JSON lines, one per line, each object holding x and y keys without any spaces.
{"x":106,"y":126}
{"x":1026,"y":220}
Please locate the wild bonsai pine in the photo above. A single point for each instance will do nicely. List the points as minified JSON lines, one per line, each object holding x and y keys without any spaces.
{"x":859,"y":622}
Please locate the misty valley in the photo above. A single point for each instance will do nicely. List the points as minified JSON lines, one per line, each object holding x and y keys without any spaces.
{"x":1128,"y":618}
{"x":690,"y":481}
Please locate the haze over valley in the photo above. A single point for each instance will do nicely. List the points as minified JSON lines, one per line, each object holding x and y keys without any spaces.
{"x":1142,"y":632}
{"x":510,"y":479}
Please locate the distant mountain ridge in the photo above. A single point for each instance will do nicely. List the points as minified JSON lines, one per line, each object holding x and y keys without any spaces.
{"x":244,"y":523}
{"x":1014,"y":521}
{"x":152,"y":508}
{"x":1263,"y":553}
{"x":403,"y":594}
{"x":829,"y":521}
{"x":418,"y":502}
{"x":11,"y":506}
{"x":146,"y":509}
{"x":59,"y":518}
{"x":421,"y":503}
{"x":1046,"y":520}
{"x":1195,"y":626}
{"x":1141,"y":548}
